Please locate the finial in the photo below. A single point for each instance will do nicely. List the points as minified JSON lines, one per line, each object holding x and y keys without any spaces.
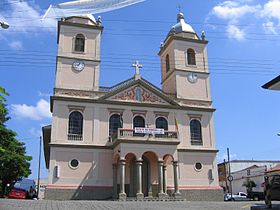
{"x":180,"y":16}
{"x":99,"y":22}
{"x":203,"y":36}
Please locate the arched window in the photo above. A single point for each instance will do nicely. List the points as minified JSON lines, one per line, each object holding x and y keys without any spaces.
{"x":80,"y":43}
{"x":167,"y":63}
{"x":75,"y":126}
{"x":161,"y":122}
{"x":196,"y":136}
{"x":115,"y":122}
{"x":191,"y":57}
{"x":139,"y":122}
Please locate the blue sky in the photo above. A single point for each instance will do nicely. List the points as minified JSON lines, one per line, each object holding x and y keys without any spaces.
{"x":243,"y":54}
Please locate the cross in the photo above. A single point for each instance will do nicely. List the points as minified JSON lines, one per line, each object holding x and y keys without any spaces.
{"x":137,"y":66}
{"x":179,"y":8}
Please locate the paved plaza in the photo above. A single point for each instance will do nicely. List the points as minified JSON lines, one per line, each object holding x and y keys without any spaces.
{"x":7,"y":204}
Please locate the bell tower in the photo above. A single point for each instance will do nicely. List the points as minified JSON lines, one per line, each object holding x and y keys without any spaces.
{"x":184,"y":63}
{"x":78,"y":59}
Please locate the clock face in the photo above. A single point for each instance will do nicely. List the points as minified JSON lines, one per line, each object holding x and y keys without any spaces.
{"x":78,"y":65}
{"x":192,"y":77}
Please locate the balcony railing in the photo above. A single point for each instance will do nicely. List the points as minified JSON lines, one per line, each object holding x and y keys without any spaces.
{"x":124,"y":133}
{"x":75,"y":137}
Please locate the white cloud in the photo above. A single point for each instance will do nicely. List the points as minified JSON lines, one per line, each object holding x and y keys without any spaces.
{"x":235,"y":33}
{"x":16,"y":45}
{"x":39,"y":112}
{"x":248,"y":16}
{"x":24,"y":17}
{"x":271,"y":9}
{"x":270,"y":28}
{"x":233,"y":10}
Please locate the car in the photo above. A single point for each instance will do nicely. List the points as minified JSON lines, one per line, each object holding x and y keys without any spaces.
{"x":240,"y":196}
{"x":23,"y":189}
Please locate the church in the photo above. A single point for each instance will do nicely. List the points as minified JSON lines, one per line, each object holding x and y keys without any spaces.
{"x":134,"y":140}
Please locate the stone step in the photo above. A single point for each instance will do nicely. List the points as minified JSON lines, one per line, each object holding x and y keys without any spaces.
{"x":151,"y":199}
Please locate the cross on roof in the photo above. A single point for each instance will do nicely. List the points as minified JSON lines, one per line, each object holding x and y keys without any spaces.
{"x":137,"y":66}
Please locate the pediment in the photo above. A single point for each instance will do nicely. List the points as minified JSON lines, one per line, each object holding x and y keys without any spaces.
{"x":138,"y":94}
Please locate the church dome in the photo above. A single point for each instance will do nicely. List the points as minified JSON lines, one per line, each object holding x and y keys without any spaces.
{"x":181,"y":25}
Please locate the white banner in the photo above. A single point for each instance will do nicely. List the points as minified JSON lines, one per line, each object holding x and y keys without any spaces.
{"x":149,"y":130}
{"x":83,"y":7}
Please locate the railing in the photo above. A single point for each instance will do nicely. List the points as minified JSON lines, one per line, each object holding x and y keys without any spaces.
{"x":75,"y":137}
{"x":196,"y":142}
{"x":124,"y":133}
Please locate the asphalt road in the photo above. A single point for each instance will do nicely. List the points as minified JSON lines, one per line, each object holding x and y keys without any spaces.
{"x":7,"y":204}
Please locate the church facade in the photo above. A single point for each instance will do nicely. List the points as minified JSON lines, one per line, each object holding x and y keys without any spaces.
{"x":132,"y":140}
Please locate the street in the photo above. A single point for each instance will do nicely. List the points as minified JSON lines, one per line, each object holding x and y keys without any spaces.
{"x":8,"y":204}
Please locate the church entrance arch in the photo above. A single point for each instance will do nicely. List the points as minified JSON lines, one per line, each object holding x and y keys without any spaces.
{"x":131,"y":175}
{"x":149,"y":174}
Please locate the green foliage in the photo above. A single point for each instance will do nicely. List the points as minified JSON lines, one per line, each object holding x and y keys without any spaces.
{"x":3,"y":109}
{"x":14,"y":164}
{"x":249,"y":184}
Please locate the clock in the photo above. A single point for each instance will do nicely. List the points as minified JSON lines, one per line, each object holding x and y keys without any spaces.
{"x":192,"y":77}
{"x":78,"y":65}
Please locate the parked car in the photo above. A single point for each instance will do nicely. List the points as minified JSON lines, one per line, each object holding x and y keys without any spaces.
{"x":23,"y":189}
{"x":240,"y":196}
{"x":256,"y":196}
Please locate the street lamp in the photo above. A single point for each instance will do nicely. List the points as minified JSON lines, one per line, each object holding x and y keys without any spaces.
{"x":4,"y":25}
{"x":278,"y":134}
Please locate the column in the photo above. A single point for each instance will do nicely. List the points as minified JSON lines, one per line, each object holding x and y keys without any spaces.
{"x":164,"y":180}
{"x":161,"y":194}
{"x":122,"y":194}
{"x":139,"y":194}
{"x":176,"y":193}
{"x":115,"y":180}
{"x":150,"y":190}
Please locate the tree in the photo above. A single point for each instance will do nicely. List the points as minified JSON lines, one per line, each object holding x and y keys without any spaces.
{"x":249,"y":184}
{"x":14,"y":163}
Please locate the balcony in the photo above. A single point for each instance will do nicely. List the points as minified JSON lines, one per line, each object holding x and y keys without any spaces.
{"x":125,"y":134}
{"x":75,"y":137}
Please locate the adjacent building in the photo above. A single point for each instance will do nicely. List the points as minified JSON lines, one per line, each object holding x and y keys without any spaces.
{"x":134,"y":139}
{"x":241,"y":171}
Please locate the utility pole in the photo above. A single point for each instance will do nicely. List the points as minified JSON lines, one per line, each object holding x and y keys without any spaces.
{"x":39,"y":168}
{"x":230,"y":178}
{"x":226,"y":177}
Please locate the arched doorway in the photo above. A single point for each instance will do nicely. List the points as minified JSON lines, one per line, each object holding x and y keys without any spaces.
{"x":131,"y":175}
{"x":149,"y":174}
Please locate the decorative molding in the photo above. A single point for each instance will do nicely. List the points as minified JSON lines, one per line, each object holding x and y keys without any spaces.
{"x":157,"y":106}
{"x":77,"y":93}
{"x":139,"y":112}
{"x":199,"y":150}
{"x":116,"y":111}
{"x":161,"y":114}
{"x":76,"y":108}
{"x":195,"y":116}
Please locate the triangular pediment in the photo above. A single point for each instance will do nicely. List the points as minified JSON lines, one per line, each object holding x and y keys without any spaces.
{"x":138,"y":94}
{"x":139,"y":91}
